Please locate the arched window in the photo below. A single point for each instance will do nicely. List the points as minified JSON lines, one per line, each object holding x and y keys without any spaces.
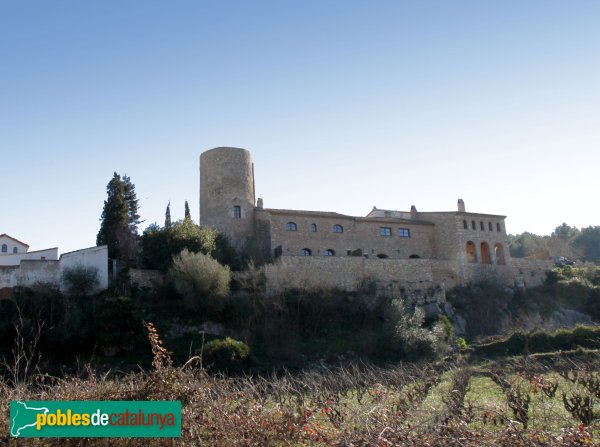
{"x":499,"y":254}
{"x":291,"y":226}
{"x":329,"y":252}
{"x":306,"y":252}
{"x":485,"y":253}
{"x":382,"y":256}
{"x":4,"y":248}
{"x":415,"y":256}
{"x":465,"y":225}
{"x":313,"y":227}
{"x":471,"y":253}
{"x":15,"y":249}
{"x":338,"y":228}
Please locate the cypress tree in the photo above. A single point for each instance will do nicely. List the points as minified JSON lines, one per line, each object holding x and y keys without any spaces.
{"x":168,"y":216}
{"x":188,"y":216}
{"x":114,"y":223}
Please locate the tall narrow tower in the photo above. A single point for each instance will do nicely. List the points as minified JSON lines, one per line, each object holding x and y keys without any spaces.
{"x":227,"y":192}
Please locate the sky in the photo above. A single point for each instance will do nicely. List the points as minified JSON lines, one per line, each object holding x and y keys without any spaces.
{"x":344,"y":105}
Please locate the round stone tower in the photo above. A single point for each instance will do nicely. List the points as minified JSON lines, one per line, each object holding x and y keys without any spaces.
{"x":227,"y":192}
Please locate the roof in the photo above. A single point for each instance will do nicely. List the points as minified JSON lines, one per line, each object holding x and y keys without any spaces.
{"x":16,"y":240}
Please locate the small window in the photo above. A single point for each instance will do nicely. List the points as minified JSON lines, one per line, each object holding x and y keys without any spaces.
{"x":404,"y":232}
{"x":329,"y":252}
{"x":498,"y":226}
{"x":237,"y":212}
{"x":465,"y":225}
{"x":382,"y":256}
{"x":481,"y":226}
{"x":313,"y":227}
{"x":385,"y":232}
{"x":473,"y":225}
{"x":306,"y":252}
{"x":15,"y":249}
{"x":4,"y":248}
{"x":291,"y":226}
{"x":338,"y":228}
{"x":490,"y":226}
{"x":414,"y":257}
{"x":43,"y":258}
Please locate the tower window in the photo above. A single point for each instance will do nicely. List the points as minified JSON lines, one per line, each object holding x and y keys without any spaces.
{"x":15,"y":249}
{"x":498,"y":226}
{"x":237,"y":212}
{"x":306,"y":252}
{"x":473,"y":225}
{"x":291,"y":226}
{"x":481,"y":226}
{"x":329,"y":252}
{"x":313,"y":227}
{"x":338,"y":228}
{"x":385,"y":232}
{"x":490,"y":226}
{"x":404,"y":232}
{"x":465,"y":225}
{"x":4,"y":248}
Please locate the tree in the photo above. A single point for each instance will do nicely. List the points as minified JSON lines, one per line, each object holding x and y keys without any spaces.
{"x":159,"y":245}
{"x":119,"y":220}
{"x":168,"y":216}
{"x":588,"y":242}
{"x":188,"y":216}
{"x":565,"y":232}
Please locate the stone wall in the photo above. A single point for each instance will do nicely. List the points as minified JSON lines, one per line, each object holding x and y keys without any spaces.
{"x":410,"y":279}
{"x":146,"y":278}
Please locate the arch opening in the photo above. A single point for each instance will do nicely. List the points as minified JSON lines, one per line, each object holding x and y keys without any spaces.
{"x":471,"y":253}
{"x":485,"y":253}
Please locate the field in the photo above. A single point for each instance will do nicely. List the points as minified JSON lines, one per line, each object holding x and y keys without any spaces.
{"x":547,"y":400}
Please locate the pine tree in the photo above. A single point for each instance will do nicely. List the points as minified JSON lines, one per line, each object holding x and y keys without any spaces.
{"x":188,"y":216}
{"x":168,"y":216}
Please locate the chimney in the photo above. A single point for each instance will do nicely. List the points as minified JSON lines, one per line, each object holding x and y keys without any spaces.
{"x":413,"y":212}
{"x":461,"y":206}
{"x":259,"y":203}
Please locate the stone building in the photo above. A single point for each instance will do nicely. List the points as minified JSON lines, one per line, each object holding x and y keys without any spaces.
{"x":390,"y":247}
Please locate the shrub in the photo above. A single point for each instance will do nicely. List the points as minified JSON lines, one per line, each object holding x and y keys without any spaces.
{"x":417,"y":341}
{"x":196,"y":276}
{"x":116,"y":328}
{"x":80,"y":280}
{"x":227,"y":355}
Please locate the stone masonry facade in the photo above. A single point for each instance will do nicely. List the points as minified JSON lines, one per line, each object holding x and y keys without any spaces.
{"x":407,"y":253}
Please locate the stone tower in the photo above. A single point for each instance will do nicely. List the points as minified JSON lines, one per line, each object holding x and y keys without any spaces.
{"x":227,"y":192}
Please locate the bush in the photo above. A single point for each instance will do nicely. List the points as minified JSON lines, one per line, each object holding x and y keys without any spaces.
{"x":116,"y":328}
{"x":417,"y":341}
{"x":227,"y":355}
{"x":196,"y":276}
{"x":80,"y":280}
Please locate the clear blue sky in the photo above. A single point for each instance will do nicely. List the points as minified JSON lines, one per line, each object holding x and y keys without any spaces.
{"x":344,"y":105}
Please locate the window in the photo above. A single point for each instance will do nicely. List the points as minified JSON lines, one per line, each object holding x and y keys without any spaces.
{"x":404,"y":232}
{"x":313,"y":227}
{"x":306,"y":252}
{"x":414,"y":257}
{"x":338,"y":228}
{"x":473,"y":225}
{"x":291,"y":226}
{"x":237,"y":212}
{"x":385,"y":232}
{"x":499,"y":254}
{"x":329,"y":252}
{"x":465,"y":225}
{"x":498,"y":226}
{"x":382,"y":256}
{"x":15,"y":249}
{"x":4,"y":248}
{"x":490,"y":226}
{"x":481,"y":226}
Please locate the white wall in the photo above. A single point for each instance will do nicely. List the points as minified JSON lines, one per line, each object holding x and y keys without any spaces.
{"x":50,"y":254}
{"x":89,"y":257}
